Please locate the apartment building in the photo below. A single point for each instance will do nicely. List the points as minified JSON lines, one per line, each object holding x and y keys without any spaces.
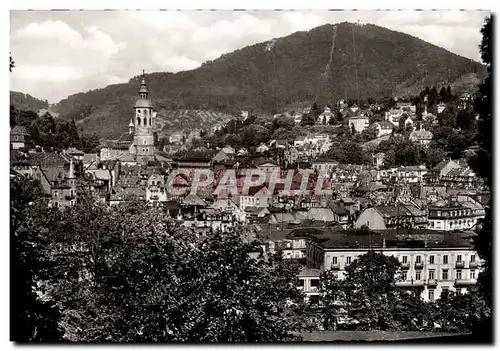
{"x":431,"y":262}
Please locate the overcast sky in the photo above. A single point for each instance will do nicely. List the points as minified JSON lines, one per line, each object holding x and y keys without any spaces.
{"x":61,"y":53}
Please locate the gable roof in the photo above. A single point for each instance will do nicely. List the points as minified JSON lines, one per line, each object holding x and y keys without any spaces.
{"x":126,"y":138}
{"x":384,"y":125}
{"x":194,"y":200}
{"x":74,"y":151}
{"x":321,"y":214}
{"x":46,"y":159}
{"x":19,"y":130}
{"x":442,"y":165}
{"x":89,"y":158}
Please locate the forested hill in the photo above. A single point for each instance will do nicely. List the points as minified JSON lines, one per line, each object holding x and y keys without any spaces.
{"x":302,"y":67}
{"x":25,"y":102}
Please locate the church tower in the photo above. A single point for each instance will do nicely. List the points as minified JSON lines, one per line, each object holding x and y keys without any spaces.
{"x":143,"y":125}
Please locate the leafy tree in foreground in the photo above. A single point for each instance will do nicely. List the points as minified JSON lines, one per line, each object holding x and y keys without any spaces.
{"x":369,"y":297}
{"x":457,"y":312}
{"x":130,"y":274}
{"x":31,"y":318}
{"x":482,"y":165}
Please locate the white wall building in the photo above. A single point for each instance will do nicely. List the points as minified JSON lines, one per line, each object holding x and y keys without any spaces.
{"x":445,"y":261}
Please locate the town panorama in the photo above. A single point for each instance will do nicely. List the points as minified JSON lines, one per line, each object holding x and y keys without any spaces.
{"x":337,"y":214}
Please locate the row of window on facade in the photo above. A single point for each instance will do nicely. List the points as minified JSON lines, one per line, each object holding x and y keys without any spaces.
{"x":467,"y":223}
{"x":57,"y":194}
{"x":418,"y":259}
{"x":451,"y":213}
{"x":445,"y":275}
{"x":432,"y":260}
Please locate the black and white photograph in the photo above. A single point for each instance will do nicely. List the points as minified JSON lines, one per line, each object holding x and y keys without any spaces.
{"x":250,"y":176}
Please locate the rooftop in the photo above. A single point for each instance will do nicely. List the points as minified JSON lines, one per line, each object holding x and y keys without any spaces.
{"x":394,"y":238}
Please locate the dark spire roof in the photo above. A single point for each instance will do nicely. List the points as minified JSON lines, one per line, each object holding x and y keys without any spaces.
{"x":144,"y":88}
{"x":143,"y":101}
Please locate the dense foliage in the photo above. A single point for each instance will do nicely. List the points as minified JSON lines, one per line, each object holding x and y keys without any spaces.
{"x":369,"y":299}
{"x":130,"y":274}
{"x":47,"y":131}
{"x":32,"y":319}
{"x":482,"y":164}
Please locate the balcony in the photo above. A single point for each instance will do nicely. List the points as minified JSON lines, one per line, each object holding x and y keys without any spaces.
{"x":460,"y":264}
{"x":410,"y":284}
{"x":473,"y":264}
{"x":464,"y":282}
{"x":419,"y":265}
{"x":432,"y":282}
{"x":405,"y":265}
{"x":335,"y":266}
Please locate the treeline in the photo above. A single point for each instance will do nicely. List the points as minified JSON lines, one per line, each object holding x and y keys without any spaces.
{"x":49,"y":132}
{"x":27,"y":102}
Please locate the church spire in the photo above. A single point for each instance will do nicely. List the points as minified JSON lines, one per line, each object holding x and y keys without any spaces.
{"x":143,"y":91}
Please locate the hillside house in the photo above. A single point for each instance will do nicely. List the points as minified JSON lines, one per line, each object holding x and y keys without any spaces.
{"x":216,"y":127}
{"x":441,"y":107}
{"x":354,"y":108}
{"x":19,"y":138}
{"x":393,"y":116}
{"x":382,"y":128}
{"x":359,"y":123}
{"x":299,"y":141}
{"x":262,"y":148}
{"x":421,"y":136}
{"x":75,"y":153}
{"x":326,"y":116}
{"x":177,"y":138}
{"x":297,"y":118}
{"x":406,"y":106}
{"x":441,"y":169}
